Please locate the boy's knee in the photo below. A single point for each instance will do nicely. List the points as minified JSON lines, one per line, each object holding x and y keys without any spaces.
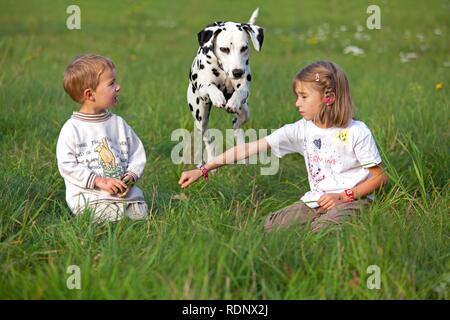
{"x":107,"y":212}
{"x":137,"y":211}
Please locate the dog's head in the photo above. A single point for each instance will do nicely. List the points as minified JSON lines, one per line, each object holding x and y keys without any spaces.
{"x":229,"y":42}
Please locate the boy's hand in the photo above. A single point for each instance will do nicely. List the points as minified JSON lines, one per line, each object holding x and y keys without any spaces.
{"x":111,"y":185}
{"x":188,"y":177}
{"x":129,"y":181}
{"x":330,"y":200}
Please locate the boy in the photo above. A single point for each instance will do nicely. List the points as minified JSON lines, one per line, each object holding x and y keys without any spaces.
{"x":99,"y":155}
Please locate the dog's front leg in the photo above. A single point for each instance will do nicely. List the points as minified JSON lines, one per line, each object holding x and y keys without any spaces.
{"x":237,"y":100}
{"x":213,"y":93}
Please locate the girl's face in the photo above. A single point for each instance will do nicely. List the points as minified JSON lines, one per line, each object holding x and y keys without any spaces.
{"x":308,"y":101}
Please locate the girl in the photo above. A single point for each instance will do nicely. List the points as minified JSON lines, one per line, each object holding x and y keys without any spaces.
{"x":341,"y":157}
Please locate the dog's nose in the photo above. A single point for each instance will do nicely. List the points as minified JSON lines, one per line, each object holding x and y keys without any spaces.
{"x":237,"y":73}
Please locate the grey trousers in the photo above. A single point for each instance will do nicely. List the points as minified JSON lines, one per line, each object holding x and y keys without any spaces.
{"x":115,"y":211}
{"x":299,"y":213}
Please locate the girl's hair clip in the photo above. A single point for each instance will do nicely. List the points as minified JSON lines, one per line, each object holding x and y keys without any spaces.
{"x":317,"y":77}
{"x":328,"y":101}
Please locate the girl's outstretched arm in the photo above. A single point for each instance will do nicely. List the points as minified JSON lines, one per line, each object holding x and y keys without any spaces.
{"x":232,"y":155}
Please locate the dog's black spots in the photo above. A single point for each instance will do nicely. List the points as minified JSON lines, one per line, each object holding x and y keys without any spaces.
{"x":193,"y":88}
{"x":208,"y":62}
{"x":260,"y":37}
{"x":208,"y":56}
{"x":206,"y":49}
{"x":249,"y":77}
{"x":194,"y":76}
{"x":190,"y":107}
{"x":234,"y":120}
{"x":227,"y":95}
{"x":204,"y":36}
{"x":190,"y":74}
{"x":198,"y":100}
{"x":197,"y":115}
{"x":216,"y":24}
{"x":215,"y":72}
{"x":246,"y":62}
{"x":202,"y":66}
{"x":238,"y":85}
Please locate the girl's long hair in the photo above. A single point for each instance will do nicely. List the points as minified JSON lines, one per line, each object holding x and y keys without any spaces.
{"x":327,"y":78}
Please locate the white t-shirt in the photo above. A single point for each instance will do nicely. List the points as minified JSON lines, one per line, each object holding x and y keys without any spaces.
{"x":98,"y":145}
{"x":336,"y":158}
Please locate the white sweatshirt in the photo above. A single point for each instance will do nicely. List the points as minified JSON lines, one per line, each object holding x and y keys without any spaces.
{"x":91,"y":145}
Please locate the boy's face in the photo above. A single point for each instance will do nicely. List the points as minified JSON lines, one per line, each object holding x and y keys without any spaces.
{"x":308,"y":100}
{"x":107,"y":91}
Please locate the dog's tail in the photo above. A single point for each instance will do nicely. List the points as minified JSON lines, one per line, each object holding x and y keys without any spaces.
{"x":254,"y":16}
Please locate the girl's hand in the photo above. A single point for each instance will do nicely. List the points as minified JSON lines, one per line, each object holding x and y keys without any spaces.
{"x":188,"y":177}
{"x":111,"y":185}
{"x":330,"y":200}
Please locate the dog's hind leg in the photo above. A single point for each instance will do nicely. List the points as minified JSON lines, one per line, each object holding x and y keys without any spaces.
{"x":201,"y":124}
{"x":241,"y":117}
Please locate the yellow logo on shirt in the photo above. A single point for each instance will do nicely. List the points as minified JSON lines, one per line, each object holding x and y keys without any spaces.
{"x":343,"y":135}
{"x":107,"y":160}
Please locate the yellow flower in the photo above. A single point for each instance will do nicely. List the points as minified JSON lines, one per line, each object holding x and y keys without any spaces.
{"x":312,"y":40}
{"x":439,"y":86}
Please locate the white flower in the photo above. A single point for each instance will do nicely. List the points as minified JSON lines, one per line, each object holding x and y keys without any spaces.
{"x":361,"y":36}
{"x":407,"y":56}
{"x":353,"y":50}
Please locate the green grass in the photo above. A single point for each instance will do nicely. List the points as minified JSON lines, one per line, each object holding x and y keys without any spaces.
{"x":211,"y":246}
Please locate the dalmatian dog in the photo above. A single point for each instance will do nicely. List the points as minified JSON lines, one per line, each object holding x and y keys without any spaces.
{"x":220,"y":75}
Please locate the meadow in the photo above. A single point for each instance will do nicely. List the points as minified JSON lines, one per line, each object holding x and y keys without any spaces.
{"x":207,"y":242}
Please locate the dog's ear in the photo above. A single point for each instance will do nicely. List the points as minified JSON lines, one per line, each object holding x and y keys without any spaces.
{"x":256,"y":34}
{"x":208,"y":34}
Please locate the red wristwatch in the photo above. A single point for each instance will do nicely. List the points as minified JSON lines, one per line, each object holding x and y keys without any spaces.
{"x":204,"y":171}
{"x":350,"y":194}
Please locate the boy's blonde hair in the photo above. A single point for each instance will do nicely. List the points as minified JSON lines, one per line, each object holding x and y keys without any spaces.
{"x":83,"y":73}
{"x":327,"y":78}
